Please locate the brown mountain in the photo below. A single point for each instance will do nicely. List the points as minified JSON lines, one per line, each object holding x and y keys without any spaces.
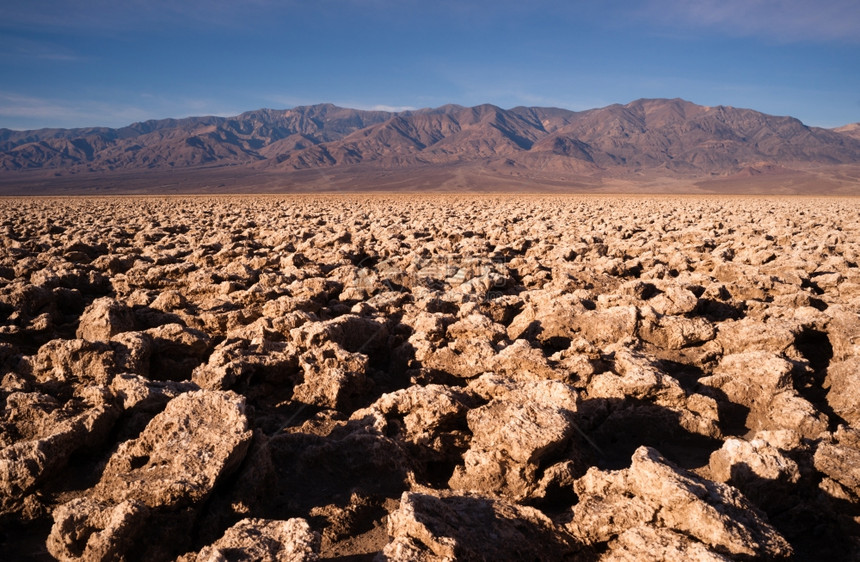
{"x":644,"y":140}
{"x":852,"y":130}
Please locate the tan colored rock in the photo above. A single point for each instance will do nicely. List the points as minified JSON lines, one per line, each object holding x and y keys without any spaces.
{"x":674,"y":332}
{"x":843,"y":331}
{"x":69,"y":361}
{"x":104,"y":318}
{"x":132,"y":352}
{"x":447,"y":320}
{"x":762,"y":381}
{"x":477,"y":327}
{"x":739,"y":460}
{"x":839,"y":460}
{"x":233,"y":361}
{"x":135,"y":391}
{"x":510,"y":437}
{"x":788,"y":410}
{"x":742,"y":375}
{"x":525,"y":432}
{"x":199,"y":438}
{"x":265,"y":540}
{"x":87,"y":529}
{"x":353,"y":333}
{"x":637,"y":377}
{"x":168,"y":301}
{"x":523,"y":362}
{"x":656,"y":493}
{"x":430,"y":527}
{"x":758,"y":469}
{"x":549,"y":393}
{"x":608,"y":326}
{"x":182,"y":452}
{"x":27,"y":463}
{"x":658,"y":544}
{"x":332,"y":377}
{"x":673,"y":301}
{"x":176,"y":351}
{"x":843,"y":389}
{"x":463,"y":358}
{"x":427,"y":413}
{"x":750,"y":335}
{"x":546,"y":315}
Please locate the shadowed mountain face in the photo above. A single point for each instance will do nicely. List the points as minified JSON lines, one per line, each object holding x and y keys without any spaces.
{"x":651,"y":138}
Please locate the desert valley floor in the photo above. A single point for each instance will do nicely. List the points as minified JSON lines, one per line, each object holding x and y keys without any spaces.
{"x":442,"y":377}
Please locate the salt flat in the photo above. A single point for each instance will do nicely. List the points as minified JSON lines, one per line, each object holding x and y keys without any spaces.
{"x":415,"y":377}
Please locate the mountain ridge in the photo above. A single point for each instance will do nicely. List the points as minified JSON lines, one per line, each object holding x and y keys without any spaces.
{"x":645,"y":138}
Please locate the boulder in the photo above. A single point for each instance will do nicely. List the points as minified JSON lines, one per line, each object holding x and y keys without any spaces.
{"x":656,"y":493}
{"x":511,"y":435}
{"x":843,"y":389}
{"x":332,"y":377}
{"x":762,"y":382}
{"x":155,"y":480}
{"x":45,"y":452}
{"x":838,"y":458}
{"x":758,"y":469}
{"x":658,"y":544}
{"x":104,"y":318}
{"x":265,"y":540}
{"x":427,"y":526}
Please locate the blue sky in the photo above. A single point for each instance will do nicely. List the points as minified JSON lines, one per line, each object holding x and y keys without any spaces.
{"x":78,"y":63}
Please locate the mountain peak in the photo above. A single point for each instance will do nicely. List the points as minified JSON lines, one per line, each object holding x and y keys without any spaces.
{"x":643,"y":138}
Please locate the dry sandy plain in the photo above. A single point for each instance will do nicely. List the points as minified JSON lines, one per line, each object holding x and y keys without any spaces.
{"x":384,"y":377}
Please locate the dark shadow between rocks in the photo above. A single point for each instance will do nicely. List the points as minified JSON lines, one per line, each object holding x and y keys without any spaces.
{"x":25,"y":540}
{"x":687,"y":375}
{"x":732,"y":416}
{"x":146,"y":317}
{"x":313,"y":470}
{"x":617,"y":427}
{"x":478,"y":528}
{"x":818,"y":525}
{"x":718,"y":311}
{"x":815,"y":347}
{"x":812,"y":286}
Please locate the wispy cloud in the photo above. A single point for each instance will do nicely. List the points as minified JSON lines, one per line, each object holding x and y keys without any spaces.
{"x":23,"y":49}
{"x":281,"y":101}
{"x":391,"y":108}
{"x":783,"y":20}
{"x":22,"y":111}
{"x":19,"y":111}
{"x":109,"y":14}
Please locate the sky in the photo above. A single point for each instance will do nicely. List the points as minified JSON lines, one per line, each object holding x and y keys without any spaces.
{"x":76,"y":63}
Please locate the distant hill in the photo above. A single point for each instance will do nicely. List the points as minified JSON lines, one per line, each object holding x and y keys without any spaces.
{"x":852,"y":130}
{"x":640,"y":141}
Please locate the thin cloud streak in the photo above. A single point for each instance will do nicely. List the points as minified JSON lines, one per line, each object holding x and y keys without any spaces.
{"x":53,"y":113}
{"x":391,"y":108}
{"x":782,"y":20}
{"x":22,"y":49}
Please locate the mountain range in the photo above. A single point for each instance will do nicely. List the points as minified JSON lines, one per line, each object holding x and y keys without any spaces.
{"x":643,"y":142}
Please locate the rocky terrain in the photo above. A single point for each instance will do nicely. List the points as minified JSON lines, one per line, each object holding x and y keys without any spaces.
{"x":324,"y":147}
{"x":430,"y":378}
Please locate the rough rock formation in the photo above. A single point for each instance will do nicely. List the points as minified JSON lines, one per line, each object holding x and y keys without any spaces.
{"x":156,"y":479}
{"x":266,"y":541}
{"x":654,"y":492}
{"x":429,"y":378}
{"x":451,"y":527}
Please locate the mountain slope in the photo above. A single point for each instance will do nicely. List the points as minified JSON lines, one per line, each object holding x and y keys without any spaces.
{"x":851,"y":130}
{"x":648,"y":137}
